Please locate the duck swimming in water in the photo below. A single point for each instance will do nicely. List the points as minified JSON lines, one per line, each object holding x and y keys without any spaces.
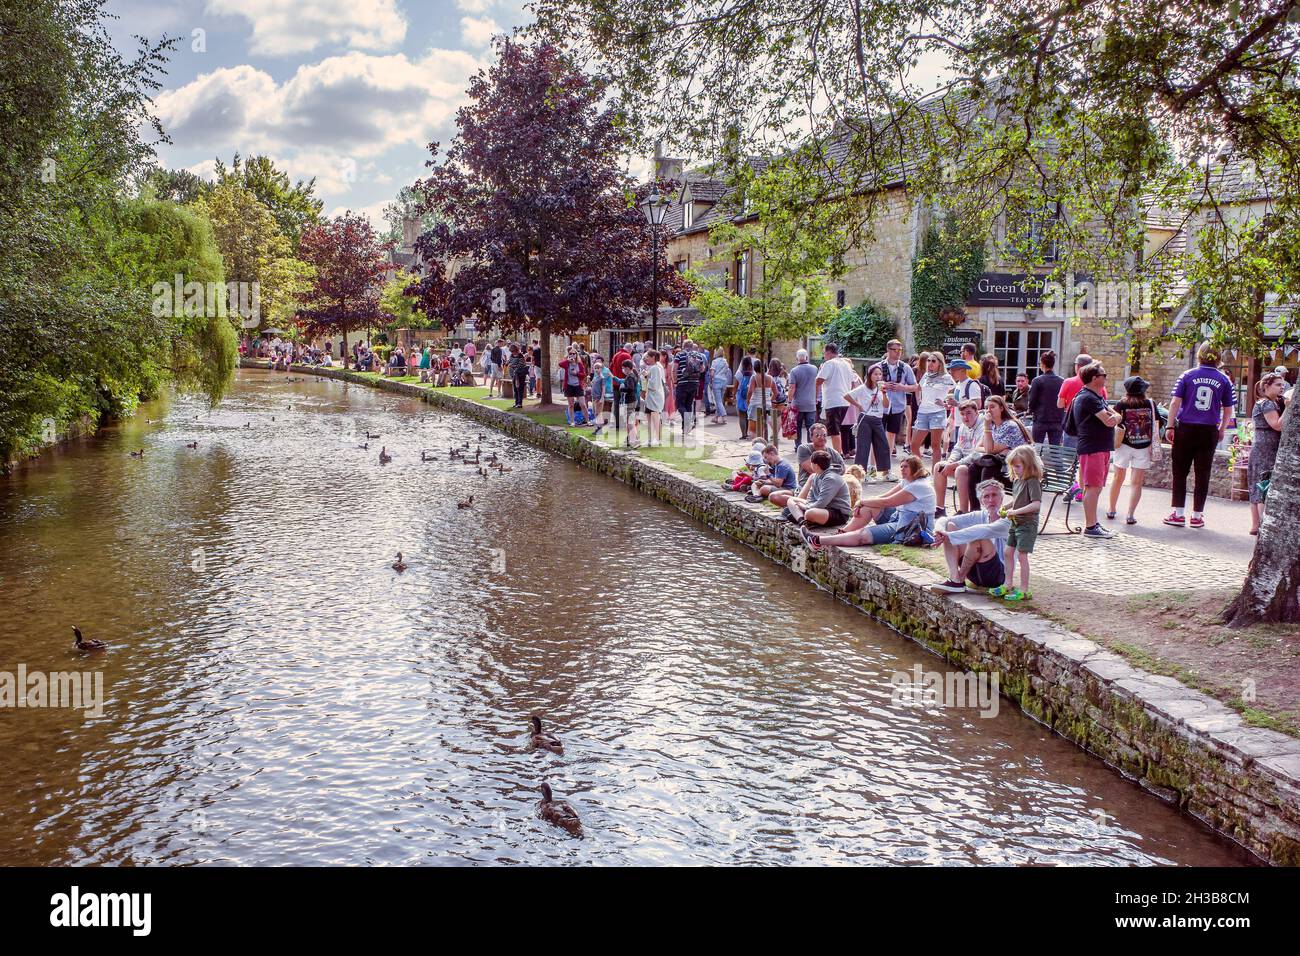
{"x":85,"y":645}
{"x":466,"y":502}
{"x":138,"y":454}
{"x":384,"y":457}
{"x":399,"y":565}
{"x":545,"y":741}
{"x":558,"y":813}
{"x":192,"y":444}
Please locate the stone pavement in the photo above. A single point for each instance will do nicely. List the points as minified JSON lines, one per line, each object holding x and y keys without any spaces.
{"x":1141,"y":558}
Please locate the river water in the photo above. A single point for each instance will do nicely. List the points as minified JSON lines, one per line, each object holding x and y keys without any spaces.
{"x":274,"y":693}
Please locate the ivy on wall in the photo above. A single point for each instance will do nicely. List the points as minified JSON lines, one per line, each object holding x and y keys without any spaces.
{"x":943,"y":272}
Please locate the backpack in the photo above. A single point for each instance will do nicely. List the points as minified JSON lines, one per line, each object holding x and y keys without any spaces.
{"x":1071,"y":427}
{"x":782,"y":396}
{"x":693,"y":364}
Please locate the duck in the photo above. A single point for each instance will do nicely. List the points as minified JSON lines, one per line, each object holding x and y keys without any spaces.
{"x":481,"y":436}
{"x":192,"y":444}
{"x":248,"y":424}
{"x":399,"y":565}
{"x":504,"y":468}
{"x":465,"y":447}
{"x":545,"y":741}
{"x":85,"y":645}
{"x":425,"y":456}
{"x":558,"y":813}
{"x":138,"y":454}
{"x":368,"y":435}
{"x":384,"y":457}
{"x":365,"y":445}
{"x":466,"y":502}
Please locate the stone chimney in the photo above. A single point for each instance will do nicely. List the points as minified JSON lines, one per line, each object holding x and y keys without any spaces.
{"x":665,"y":167}
{"x":410,"y":232}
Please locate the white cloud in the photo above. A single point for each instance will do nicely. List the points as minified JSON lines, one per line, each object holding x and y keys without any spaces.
{"x":354,"y":106}
{"x":283,"y":27}
{"x":474,"y":6}
{"x":374,"y":212}
{"x":478,"y":32}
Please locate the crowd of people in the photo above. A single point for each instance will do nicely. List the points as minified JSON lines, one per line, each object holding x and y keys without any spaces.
{"x":954,"y":426}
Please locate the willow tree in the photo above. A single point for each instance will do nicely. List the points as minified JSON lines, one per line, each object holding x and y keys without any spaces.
{"x":784,"y":229}
{"x":537,"y":226}
{"x":1050,"y":121}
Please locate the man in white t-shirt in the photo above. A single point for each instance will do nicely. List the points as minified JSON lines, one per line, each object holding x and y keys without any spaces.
{"x":834,"y":380}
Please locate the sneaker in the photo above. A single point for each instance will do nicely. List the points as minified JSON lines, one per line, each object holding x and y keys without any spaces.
{"x":1175,"y":520}
{"x":999,"y":591}
{"x":1196,"y":521}
{"x":1097,"y":531}
{"x":952,"y":587}
{"x":753,"y":499}
{"x":941,"y":512}
{"x":808,"y":537}
{"x":1018,"y":595}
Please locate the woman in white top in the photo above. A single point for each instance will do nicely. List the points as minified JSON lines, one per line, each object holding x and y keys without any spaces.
{"x":931,"y":409}
{"x":760,"y":398}
{"x":652,"y":384}
{"x":871,"y":403}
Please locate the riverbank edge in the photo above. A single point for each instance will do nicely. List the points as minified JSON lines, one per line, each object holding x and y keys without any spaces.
{"x":1181,"y":745}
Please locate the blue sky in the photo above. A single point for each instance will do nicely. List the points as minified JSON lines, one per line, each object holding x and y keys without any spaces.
{"x":348,"y":91}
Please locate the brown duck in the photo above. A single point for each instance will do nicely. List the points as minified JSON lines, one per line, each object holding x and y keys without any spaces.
{"x":558,"y":813}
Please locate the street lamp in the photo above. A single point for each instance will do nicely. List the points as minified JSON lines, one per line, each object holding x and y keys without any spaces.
{"x":654,"y":206}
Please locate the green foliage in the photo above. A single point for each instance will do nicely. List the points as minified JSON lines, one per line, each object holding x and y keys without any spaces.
{"x":77,"y":338}
{"x":795,"y":242}
{"x":294,"y":206}
{"x":862,"y":330}
{"x":402,"y":307}
{"x":945,"y":268}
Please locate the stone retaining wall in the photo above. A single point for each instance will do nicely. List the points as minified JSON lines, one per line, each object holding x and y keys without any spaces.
{"x":1178,"y":743}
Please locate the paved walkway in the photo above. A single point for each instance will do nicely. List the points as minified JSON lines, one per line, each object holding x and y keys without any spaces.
{"x":1145,"y":557}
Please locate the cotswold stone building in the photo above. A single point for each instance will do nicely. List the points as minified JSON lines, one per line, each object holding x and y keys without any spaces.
{"x":1005,"y":313}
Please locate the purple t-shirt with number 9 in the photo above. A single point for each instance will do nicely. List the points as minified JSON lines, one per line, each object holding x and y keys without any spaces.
{"x":1205,"y":392}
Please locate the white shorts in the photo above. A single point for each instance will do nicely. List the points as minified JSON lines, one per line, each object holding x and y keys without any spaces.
{"x":1126,"y":457}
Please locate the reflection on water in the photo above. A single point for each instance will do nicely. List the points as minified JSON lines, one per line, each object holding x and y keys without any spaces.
{"x":276,"y":694}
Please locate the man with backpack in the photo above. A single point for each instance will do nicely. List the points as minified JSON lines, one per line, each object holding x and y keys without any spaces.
{"x":689,"y":369}
{"x":897,"y":379}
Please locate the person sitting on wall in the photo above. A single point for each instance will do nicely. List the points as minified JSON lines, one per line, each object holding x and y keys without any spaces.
{"x":828,"y":501}
{"x":904,"y":514}
{"x":818,"y":440}
{"x":974,"y":544}
{"x":780,"y":476}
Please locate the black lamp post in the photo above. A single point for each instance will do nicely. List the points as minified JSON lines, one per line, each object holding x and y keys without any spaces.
{"x":654,"y":206}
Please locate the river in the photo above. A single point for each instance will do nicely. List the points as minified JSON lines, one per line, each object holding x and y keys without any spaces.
{"x":274,"y":693}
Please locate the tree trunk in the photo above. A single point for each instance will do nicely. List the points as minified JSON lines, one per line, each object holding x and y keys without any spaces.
{"x":544,"y":372}
{"x":345,"y":348}
{"x":1271,"y":592}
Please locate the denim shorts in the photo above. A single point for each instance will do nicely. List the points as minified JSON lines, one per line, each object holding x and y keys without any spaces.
{"x":930,"y":421}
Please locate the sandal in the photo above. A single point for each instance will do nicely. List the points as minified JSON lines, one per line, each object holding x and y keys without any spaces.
{"x":999,"y":591}
{"x":1130,"y":520}
{"x":1017,"y":595}
{"x":1110,"y":516}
